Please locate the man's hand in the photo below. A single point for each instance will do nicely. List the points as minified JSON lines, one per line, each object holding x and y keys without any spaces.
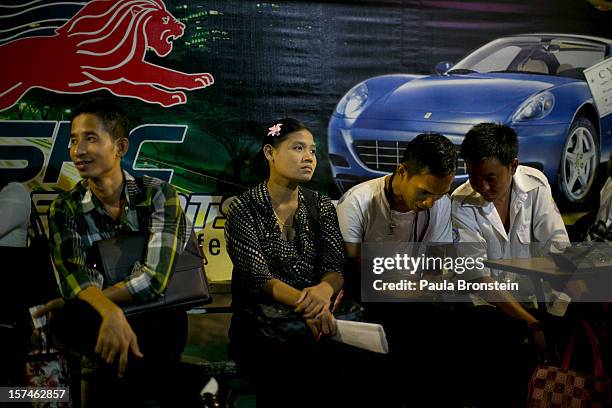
{"x":49,"y":307}
{"x":313,"y":299}
{"x":116,"y":337}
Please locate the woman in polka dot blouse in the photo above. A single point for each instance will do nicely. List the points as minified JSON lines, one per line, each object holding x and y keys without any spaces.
{"x":283,"y":251}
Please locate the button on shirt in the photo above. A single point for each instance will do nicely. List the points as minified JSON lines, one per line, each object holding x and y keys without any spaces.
{"x":77,"y":219}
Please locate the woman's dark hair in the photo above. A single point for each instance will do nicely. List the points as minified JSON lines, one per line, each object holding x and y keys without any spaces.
{"x":278,"y":131}
{"x":274,"y":134}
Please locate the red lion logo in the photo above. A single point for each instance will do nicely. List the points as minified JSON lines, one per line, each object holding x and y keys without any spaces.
{"x":102,"y":47}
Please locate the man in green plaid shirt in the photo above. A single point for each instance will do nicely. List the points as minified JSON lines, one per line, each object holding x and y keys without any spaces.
{"x":107,"y":202}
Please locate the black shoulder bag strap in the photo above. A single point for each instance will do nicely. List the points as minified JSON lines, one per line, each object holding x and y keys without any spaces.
{"x":313,"y":210}
{"x":312,"y":207}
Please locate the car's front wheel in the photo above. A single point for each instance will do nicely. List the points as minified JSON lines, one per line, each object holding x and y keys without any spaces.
{"x":578,"y":167}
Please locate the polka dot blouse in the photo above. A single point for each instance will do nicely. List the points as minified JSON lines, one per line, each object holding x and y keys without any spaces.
{"x":259,"y":253}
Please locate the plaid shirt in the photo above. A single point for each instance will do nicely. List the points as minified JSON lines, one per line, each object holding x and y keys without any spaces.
{"x":77,"y":219}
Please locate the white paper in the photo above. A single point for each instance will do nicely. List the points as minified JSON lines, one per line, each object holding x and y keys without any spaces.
{"x":367,"y":336}
{"x":38,"y":322}
{"x":599,"y":78}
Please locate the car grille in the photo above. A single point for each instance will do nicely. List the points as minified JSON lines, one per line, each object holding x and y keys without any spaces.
{"x":383,"y":155}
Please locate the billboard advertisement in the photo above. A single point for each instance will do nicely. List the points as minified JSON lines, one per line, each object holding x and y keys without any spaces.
{"x":200,"y":79}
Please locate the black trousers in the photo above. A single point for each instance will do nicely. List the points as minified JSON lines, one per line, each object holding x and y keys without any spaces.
{"x":155,"y":377}
{"x":499,"y":359}
{"x":307,"y":372}
{"x":423,"y":367}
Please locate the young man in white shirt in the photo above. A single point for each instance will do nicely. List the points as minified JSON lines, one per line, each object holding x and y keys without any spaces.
{"x":601,"y":230}
{"x":503,"y":208}
{"x":410,"y":205}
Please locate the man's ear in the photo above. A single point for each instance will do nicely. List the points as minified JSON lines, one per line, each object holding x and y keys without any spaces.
{"x":122,"y":146}
{"x":400,"y":170}
{"x":513,"y":165}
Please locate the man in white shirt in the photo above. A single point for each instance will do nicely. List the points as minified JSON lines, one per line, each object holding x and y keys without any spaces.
{"x":602,"y":228}
{"x":504,"y":207}
{"x":410,"y":205}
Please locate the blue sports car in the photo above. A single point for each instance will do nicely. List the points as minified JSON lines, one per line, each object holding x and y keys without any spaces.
{"x":532,"y":82}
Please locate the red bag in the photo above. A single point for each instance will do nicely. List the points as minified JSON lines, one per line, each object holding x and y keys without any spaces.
{"x":554,"y":387}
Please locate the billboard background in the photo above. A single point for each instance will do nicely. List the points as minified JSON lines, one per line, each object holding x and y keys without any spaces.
{"x":269,"y":60}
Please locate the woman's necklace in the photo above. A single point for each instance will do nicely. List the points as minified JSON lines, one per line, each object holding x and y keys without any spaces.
{"x":280,"y":221}
{"x":288,"y":222}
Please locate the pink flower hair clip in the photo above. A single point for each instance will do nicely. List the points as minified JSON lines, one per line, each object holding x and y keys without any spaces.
{"x":275,"y":130}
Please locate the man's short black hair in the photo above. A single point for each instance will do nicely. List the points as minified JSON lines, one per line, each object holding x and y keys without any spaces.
{"x":431,"y":152}
{"x":490,"y":140}
{"x":113,"y":117}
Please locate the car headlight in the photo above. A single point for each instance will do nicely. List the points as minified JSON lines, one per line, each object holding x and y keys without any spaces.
{"x":536,"y":107}
{"x":353,"y":100}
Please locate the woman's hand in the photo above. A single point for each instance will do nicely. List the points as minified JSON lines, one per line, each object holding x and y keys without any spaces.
{"x":313,"y":299}
{"x":323,"y":324}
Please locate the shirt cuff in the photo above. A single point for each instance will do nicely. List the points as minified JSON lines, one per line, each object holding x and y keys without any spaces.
{"x":70,"y":293}
{"x":139,"y":283}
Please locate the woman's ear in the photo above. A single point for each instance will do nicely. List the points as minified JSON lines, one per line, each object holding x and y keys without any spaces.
{"x":267,"y":149}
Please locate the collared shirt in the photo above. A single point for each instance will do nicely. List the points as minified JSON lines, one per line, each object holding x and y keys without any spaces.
{"x":534,"y":218}
{"x":602,"y":229}
{"x":365,"y":216}
{"x":77,"y":219}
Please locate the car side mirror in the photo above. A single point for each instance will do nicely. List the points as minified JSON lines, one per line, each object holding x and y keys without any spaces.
{"x":442,"y":67}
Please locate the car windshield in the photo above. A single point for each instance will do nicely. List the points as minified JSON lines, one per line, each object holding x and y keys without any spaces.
{"x":534,"y":55}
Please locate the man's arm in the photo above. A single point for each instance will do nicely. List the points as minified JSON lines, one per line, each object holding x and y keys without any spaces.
{"x":547,"y":223}
{"x":68,"y":251}
{"x":443,"y":228}
{"x":167,"y":231}
{"x":507,"y":303}
{"x":351,"y":220}
{"x":466,"y":230}
{"x":118,"y":294}
{"x":15,"y":204}
{"x":115,"y":335}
